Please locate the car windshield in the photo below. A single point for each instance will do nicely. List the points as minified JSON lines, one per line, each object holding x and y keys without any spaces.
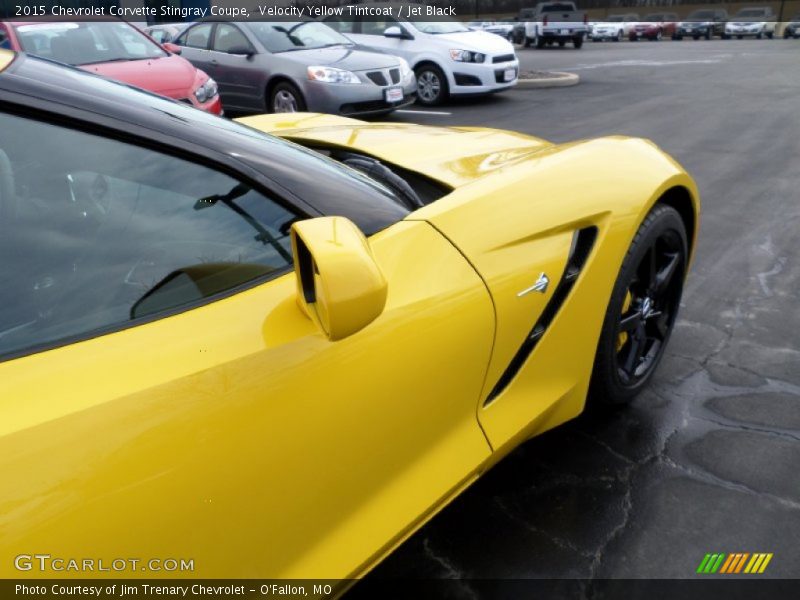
{"x":304,"y":35}
{"x":557,"y":8}
{"x":751,"y":12}
{"x":701,"y":14}
{"x":653,"y":18}
{"x":439,"y":27}
{"x":616,"y":18}
{"x":87,"y":42}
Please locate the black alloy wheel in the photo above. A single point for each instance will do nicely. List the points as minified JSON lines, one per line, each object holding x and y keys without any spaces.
{"x":642,"y":310}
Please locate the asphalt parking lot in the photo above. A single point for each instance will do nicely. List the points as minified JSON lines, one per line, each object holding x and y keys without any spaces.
{"x":708,"y":459}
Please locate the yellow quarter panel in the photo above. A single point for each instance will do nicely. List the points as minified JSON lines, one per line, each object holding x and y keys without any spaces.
{"x":518,"y":222}
{"x":237,"y":435}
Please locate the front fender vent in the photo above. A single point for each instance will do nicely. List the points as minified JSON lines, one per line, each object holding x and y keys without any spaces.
{"x":582,"y":243}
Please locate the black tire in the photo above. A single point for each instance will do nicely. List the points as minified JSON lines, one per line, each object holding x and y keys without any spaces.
{"x":709,"y":33}
{"x":647,"y":294}
{"x":540,"y":42}
{"x":527,"y":42}
{"x":562,"y":43}
{"x":677,"y":37}
{"x":577,"y":42}
{"x":283,"y":95}
{"x":432,"y":86}
{"x":786,"y":35}
{"x":619,"y":36}
{"x":597,"y":40}
{"x":770,"y":35}
{"x":695,"y":37}
{"x":759,"y":35}
{"x":739,"y":37}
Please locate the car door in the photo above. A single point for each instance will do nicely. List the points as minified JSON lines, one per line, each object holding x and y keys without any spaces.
{"x":195,"y":42}
{"x":162,"y":398}
{"x":236,"y":68}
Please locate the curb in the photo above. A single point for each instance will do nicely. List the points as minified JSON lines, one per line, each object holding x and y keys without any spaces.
{"x":563,"y":80}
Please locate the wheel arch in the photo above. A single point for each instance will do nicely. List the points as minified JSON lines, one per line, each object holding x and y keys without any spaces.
{"x":274,"y":81}
{"x":680,"y":198}
{"x":448,"y":73}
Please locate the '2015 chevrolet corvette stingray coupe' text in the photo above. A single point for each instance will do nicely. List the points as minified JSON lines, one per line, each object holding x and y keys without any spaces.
{"x":279,"y":357}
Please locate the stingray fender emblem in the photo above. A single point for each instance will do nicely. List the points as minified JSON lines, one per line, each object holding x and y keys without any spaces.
{"x":540,"y":286}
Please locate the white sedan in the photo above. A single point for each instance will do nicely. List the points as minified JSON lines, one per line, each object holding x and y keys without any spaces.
{"x":448,"y":58}
{"x":755,"y":22}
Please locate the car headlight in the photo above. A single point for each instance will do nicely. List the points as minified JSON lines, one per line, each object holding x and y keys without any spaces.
{"x":206,"y":91}
{"x":405,"y":68}
{"x":467,"y":56}
{"x":332,"y":75}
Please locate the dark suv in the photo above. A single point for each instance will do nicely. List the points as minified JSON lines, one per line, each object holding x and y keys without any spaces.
{"x":705,"y":23}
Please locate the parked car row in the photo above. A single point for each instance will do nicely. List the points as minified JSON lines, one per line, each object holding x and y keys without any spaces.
{"x":348,"y":67}
{"x":755,"y":22}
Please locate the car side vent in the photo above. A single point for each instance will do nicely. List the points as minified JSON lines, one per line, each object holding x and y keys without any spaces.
{"x":395,"y":75}
{"x":582,"y":243}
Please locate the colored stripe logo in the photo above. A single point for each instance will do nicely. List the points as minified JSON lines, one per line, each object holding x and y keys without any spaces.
{"x":738,"y":562}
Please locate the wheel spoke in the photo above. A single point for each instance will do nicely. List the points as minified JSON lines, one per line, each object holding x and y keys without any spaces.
{"x":661,"y":325}
{"x":638,"y":340}
{"x":631,"y":322}
{"x":665,"y":274}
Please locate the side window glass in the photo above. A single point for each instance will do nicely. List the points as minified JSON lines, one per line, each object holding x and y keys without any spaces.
{"x":98,"y":233}
{"x":376,"y":27}
{"x":197,"y":36}
{"x":229,"y":37}
{"x":341,"y":25}
{"x":158,"y":35}
{"x":5,"y":43}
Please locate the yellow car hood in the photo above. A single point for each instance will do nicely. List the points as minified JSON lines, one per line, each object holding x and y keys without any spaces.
{"x":452,"y":155}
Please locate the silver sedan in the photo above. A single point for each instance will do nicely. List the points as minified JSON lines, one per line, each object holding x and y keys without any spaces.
{"x":296,"y":66}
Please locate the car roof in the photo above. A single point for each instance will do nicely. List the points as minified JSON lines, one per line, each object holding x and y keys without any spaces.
{"x":35,"y":84}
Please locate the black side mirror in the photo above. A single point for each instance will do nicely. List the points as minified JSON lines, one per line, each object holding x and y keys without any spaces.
{"x":397,"y":32}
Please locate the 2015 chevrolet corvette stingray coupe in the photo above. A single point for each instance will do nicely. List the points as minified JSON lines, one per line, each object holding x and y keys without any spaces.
{"x":279,"y":357}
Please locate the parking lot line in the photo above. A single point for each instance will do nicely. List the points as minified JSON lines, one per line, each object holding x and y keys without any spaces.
{"x":423,"y":112}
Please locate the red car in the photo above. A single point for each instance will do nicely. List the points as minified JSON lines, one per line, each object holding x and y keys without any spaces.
{"x":655,"y":26}
{"x":117,"y":50}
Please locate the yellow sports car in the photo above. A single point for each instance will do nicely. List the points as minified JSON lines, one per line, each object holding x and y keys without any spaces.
{"x":224,"y":354}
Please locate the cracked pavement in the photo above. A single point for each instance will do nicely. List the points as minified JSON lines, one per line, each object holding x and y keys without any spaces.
{"x":707,"y":459}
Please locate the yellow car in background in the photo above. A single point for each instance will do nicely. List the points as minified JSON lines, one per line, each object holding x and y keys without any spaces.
{"x":262,"y":358}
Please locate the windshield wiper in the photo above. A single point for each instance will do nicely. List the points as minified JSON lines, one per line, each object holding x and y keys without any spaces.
{"x":108,"y":60}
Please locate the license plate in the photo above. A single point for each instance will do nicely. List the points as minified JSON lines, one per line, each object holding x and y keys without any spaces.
{"x":565,"y":32}
{"x":509,"y":74}
{"x":394,"y":94}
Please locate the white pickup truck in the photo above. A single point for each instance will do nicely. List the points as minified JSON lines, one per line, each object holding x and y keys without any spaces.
{"x":550,"y":23}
